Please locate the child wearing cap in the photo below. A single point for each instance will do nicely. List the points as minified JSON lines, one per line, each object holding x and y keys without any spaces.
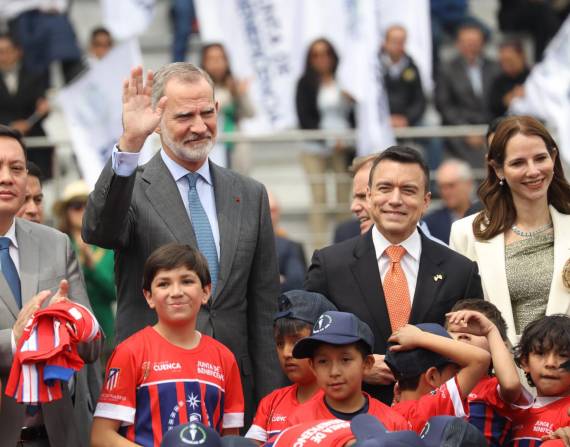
{"x":169,"y":374}
{"x":340,"y":354}
{"x":298,"y":311}
{"x":479,"y":323}
{"x":434,"y":373}
{"x":542,"y":353}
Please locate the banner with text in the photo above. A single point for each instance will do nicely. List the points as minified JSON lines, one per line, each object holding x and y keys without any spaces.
{"x":92,"y":107}
{"x":267,"y":41}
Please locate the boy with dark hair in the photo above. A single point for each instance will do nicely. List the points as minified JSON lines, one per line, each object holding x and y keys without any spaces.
{"x":479,"y":323}
{"x":543,"y":353}
{"x":435,"y":373}
{"x":340,"y":354}
{"x":298,"y":311}
{"x":170,"y":373}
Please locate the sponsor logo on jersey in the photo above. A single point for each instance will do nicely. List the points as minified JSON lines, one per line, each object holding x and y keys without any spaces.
{"x":167,"y":366}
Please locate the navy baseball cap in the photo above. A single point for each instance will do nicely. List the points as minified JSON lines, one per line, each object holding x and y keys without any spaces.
{"x":449,"y":431}
{"x":302,"y":305}
{"x":237,"y":441}
{"x":335,"y":328}
{"x":412,"y":363}
{"x":193,"y":433}
{"x":196,"y":433}
{"x":370,"y":432}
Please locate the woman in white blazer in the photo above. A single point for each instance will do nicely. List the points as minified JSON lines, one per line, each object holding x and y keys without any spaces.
{"x":521,"y":239}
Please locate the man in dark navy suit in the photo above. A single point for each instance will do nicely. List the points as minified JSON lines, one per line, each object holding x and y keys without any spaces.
{"x":353,"y":273}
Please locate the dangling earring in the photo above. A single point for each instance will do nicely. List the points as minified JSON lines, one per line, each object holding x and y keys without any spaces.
{"x":502,"y":181}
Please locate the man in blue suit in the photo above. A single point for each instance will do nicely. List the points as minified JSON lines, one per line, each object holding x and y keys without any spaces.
{"x":455,"y":183}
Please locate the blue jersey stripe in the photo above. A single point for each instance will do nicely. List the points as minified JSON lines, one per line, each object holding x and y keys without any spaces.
{"x":143,"y":421}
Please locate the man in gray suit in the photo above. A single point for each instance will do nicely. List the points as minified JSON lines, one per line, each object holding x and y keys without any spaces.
{"x":35,"y":259}
{"x":462,"y":93}
{"x":181,"y":196}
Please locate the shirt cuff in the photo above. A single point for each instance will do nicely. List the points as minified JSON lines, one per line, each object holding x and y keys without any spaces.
{"x":124,"y":163}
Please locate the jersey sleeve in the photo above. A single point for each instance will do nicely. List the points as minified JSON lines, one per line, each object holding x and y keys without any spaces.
{"x":258,"y":429}
{"x":118,"y":396}
{"x":445,"y":401}
{"x":233,"y":403}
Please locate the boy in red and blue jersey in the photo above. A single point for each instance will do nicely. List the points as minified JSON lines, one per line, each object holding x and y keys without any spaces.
{"x":434,"y":373}
{"x":480,"y":323}
{"x":169,"y":374}
{"x":543,"y":353}
{"x":340,"y":354}
{"x":298,"y":311}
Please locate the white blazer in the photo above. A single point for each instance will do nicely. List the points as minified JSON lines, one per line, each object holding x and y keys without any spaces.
{"x":490,"y":257}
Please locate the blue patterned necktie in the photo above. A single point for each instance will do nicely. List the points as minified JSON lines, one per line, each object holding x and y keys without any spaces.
{"x":202,"y":229}
{"x":9,"y":270}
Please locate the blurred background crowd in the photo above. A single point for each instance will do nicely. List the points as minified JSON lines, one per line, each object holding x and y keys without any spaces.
{"x":481,"y":54}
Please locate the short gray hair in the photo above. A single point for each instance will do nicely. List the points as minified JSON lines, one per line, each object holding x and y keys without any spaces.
{"x":183,"y":71}
{"x":464,"y":171}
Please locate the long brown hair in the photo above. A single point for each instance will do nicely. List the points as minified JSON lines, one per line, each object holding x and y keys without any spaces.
{"x":499,"y":212}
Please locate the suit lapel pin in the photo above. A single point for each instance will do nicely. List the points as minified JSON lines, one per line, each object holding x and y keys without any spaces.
{"x":438,"y":277}
{"x":237,"y":199}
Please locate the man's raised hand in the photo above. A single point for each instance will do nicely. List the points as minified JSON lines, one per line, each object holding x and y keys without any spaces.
{"x":140,"y":119}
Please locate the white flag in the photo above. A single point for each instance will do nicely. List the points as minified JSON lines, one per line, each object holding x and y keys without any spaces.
{"x":92,"y":107}
{"x":360,"y":75}
{"x":547,"y":89}
{"x":127,"y":18}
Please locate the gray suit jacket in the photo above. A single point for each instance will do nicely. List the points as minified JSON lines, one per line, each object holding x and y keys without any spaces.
{"x":47,"y":257}
{"x":455,"y":98}
{"x":137,"y":214}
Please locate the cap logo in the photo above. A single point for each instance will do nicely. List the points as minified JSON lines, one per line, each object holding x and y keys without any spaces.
{"x":322,"y":323}
{"x":193,"y":434}
{"x":425,"y":430}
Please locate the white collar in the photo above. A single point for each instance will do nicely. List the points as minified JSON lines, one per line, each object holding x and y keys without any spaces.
{"x":178,"y":171}
{"x":11,"y":233}
{"x":413,"y":244}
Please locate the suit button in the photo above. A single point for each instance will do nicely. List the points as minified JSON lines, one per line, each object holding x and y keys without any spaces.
{"x":213,"y":313}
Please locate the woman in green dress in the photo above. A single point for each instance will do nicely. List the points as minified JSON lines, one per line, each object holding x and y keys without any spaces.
{"x":96,"y":263}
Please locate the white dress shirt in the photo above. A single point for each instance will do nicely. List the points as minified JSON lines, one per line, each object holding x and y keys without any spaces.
{"x":125,"y":163}
{"x":410,"y":261}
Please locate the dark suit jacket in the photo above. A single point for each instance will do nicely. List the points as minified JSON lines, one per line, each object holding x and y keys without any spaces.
{"x":47,"y":257}
{"x":346,"y":230}
{"x":439,"y":223}
{"x":22,"y":104}
{"x":292,"y":264}
{"x":137,"y":214}
{"x":455,"y":98}
{"x":347,"y":274}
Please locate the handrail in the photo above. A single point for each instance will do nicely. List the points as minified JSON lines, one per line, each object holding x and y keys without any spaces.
{"x":297,"y":135}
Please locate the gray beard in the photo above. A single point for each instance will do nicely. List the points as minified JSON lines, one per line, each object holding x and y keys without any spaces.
{"x":196,"y":154}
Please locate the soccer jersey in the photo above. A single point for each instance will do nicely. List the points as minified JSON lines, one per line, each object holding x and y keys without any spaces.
{"x":488,"y":412}
{"x":152,"y":386}
{"x":272,"y":412}
{"x":546,"y":415}
{"x":445,"y":401}
{"x":316,"y":409}
{"x":327,"y":433}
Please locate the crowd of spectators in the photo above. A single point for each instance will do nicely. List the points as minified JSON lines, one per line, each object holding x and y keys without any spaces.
{"x":382,"y":326}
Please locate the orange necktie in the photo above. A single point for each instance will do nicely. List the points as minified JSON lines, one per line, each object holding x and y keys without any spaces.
{"x":396,"y":289}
